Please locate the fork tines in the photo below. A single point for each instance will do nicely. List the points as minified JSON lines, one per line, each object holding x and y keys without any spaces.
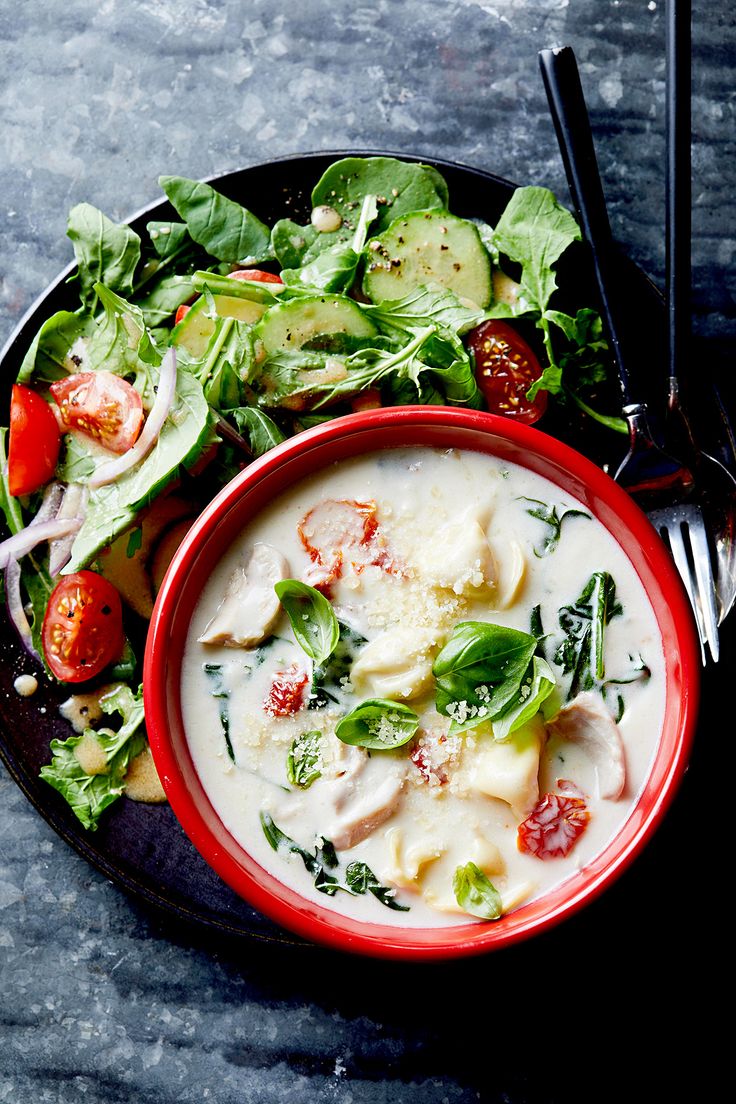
{"x":683,"y":529}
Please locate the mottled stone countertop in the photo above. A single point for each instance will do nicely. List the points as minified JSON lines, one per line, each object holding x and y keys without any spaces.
{"x":103,"y":999}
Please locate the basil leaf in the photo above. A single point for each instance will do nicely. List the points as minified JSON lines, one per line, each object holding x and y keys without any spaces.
{"x":107,"y":253}
{"x":304,"y":760}
{"x":378,"y":724}
{"x":312,"y":618}
{"x":475,"y":893}
{"x":327,"y":681}
{"x":536,"y":687}
{"x":580,"y":654}
{"x":90,"y":794}
{"x":361,"y":879}
{"x":479,"y":671}
{"x":226,"y":230}
{"x":542,"y":511}
{"x":213,"y":672}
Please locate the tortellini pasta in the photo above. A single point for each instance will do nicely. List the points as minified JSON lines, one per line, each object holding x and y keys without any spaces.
{"x":508,"y":770}
{"x":458,"y":557}
{"x":397,"y":664}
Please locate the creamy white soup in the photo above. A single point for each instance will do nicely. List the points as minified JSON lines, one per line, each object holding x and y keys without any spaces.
{"x":468,"y":718}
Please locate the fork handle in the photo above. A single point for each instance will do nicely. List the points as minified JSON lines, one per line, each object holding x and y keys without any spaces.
{"x":572,"y":126}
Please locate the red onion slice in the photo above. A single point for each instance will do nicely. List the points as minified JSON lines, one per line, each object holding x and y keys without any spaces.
{"x":24,"y":542}
{"x":53,"y":497}
{"x":112,"y":469}
{"x":73,"y":506}
{"x":14,"y":604}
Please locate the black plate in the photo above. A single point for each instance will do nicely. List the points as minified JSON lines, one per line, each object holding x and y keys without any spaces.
{"x":141,"y":847}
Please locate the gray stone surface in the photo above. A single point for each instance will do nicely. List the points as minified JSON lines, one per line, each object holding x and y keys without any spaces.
{"x":100,"y":999}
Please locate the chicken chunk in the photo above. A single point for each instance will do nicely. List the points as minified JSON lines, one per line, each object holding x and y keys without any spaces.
{"x":250,"y":608}
{"x":358,"y":817}
{"x":587,"y":722}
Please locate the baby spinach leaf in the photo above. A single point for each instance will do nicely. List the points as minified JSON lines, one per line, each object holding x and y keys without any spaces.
{"x":107,"y":253}
{"x":163,"y":298}
{"x":580,"y":654}
{"x":378,"y":724}
{"x":542,"y":511}
{"x":290,"y":242}
{"x":536,"y":686}
{"x":480,"y":670}
{"x":312,"y":618}
{"x":113,"y":508}
{"x":121,"y":343}
{"x":334,"y":269}
{"x":400,"y":187}
{"x":90,"y":794}
{"x":213,"y":672}
{"x":169,"y":239}
{"x":49,"y":357}
{"x":226,"y":230}
{"x":304,"y":760}
{"x":475,"y":893}
{"x":361,"y":879}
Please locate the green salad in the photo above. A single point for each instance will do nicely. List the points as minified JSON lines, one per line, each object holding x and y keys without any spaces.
{"x":207,"y":342}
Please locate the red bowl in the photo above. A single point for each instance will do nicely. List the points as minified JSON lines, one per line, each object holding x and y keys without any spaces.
{"x":305,"y":454}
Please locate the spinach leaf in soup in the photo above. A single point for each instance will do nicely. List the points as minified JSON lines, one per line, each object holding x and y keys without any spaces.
{"x":548,"y":514}
{"x":107,"y":253}
{"x":475,"y":893}
{"x":312,"y":618}
{"x":216,"y":679}
{"x":581,"y":652}
{"x":226,"y":230}
{"x":361,"y":879}
{"x":378,"y":724}
{"x":328,"y":681}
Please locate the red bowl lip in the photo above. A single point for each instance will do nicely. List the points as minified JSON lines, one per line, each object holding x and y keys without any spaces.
{"x":319,"y":924}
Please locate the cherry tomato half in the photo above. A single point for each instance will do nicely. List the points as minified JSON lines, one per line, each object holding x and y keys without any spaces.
{"x":505,"y":369}
{"x":256,"y":274}
{"x":83,"y":627}
{"x":33,"y":448}
{"x":102,"y":406}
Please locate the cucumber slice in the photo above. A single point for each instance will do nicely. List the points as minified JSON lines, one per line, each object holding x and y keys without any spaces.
{"x":196,"y":327}
{"x":428,"y":247}
{"x":290,"y":325}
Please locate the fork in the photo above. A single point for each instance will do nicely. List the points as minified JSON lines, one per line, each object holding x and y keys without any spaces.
{"x":661,"y":483}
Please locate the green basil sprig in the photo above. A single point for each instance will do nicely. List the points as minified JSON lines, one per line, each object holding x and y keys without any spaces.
{"x":475,"y":893}
{"x":312,"y":619}
{"x":304,"y":761}
{"x":378,"y":724}
{"x":479,"y":672}
{"x":536,"y":687}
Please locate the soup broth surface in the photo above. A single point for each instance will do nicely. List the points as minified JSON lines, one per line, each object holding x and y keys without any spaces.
{"x":407,"y":544}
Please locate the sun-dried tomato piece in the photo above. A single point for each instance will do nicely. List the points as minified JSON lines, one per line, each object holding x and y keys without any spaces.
{"x":286,"y":694}
{"x":340,"y":531}
{"x":553,"y":826}
{"x":569,"y":788}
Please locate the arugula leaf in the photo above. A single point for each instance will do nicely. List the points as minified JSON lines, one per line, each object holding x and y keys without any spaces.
{"x":536,"y":686}
{"x":113,"y":508}
{"x":213,"y":672}
{"x":580,"y":654}
{"x":542,"y":511}
{"x":49,"y":357}
{"x":107,"y":253}
{"x":479,"y":672}
{"x":304,"y":760}
{"x":90,"y":794}
{"x":312,"y":618}
{"x":226,"y":230}
{"x":361,"y":879}
{"x":261,"y":433}
{"x":475,"y":893}
{"x":378,"y":724}
{"x":428,"y":305}
{"x":121,"y":343}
